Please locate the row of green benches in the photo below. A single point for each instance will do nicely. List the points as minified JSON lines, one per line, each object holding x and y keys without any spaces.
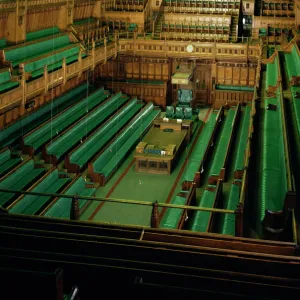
{"x":18,"y":54}
{"x":35,"y":67}
{"x":61,"y":207}
{"x":104,"y":165}
{"x":234,"y":87}
{"x":34,"y":140}
{"x":194,"y":28}
{"x":6,"y":82}
{"x":8,"y":161}
{"x":19,"y":178}
{"x":52,"y":182}
{"x":223,"y":149}
{"x":204,"y":143}
{"x":58,"y":147}
{"x":12,"y":133}
{"x":202,"y":220}
{"x":179,"y":112}
{"x":293,"y":68}
{"x":274,"y":183}
{"x":39,"y":34}
{"x":240,"y":158}
{"x":292,"y":63}
{"x":81,"y":155}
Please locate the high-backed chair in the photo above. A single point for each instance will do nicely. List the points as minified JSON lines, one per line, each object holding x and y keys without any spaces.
{"x":184,"y":97}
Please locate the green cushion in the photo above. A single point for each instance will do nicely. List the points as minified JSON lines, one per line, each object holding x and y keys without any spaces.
{"x":49,"y":130}
{"x":31,"y":204}
{"x":29,"y":122}
{"x":272,"y":73}
{"x":5,"y":156}
{"x":19,"y":180}
{"x":5,"y":77}
{"x":242,"y":143}
{"x":137,"y":122}
{"x":42,"y":33}
{"x":179,"y":113}
{"x":8,"y":165}
{"x":200,"y":221}
{"x":200,"y":148}
{"x":8,"y":86}
{"x":173,"y":215}
{"x":116,"y":158}
{"x":170,"y":112}
{"x":73,"y":136}
{"x":219,"y":157}
{"x":228,"y":220}
{"x":20,"y":54}
{"x":105,"y":133}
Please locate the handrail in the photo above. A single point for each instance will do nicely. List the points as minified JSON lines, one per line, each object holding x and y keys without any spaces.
{"x":74,"y":293}
{"x":115,"y":200}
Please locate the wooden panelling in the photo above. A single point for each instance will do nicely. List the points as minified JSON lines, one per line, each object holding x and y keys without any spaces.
{"x":231,"y":98}
{"x":147,"y":92}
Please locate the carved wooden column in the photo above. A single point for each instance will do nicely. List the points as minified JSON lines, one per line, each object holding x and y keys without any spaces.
{"x":155,"y":215}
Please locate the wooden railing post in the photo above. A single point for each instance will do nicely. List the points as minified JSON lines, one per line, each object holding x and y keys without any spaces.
{"x":239,"y":212}
{"x":155,"y":215}
{"x":74,"y":213}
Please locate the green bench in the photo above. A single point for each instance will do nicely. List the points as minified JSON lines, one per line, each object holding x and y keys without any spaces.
{"x":227,"y":223}
{"x":17,"y":55}
{"x":33,"y":204}
{"x":201,"y":146}
{"x":109,"y":159}
{"x":35,"y":67}
{"x":296,"y":106}
{"x":6,"y":83}
{"x":272,"y":73}
{"x":273,"y":187}
{"x":20,"y":179}
{"x":3,"y":43}
{"x":7,"y":161}
{"x":292,"y":63}
{"x":223,"y":144}
{"x":35,"y":35}
{"x":103,"y":135}
{"x":239,"y":163}
{"x":172,"y":216}
{"x":56,"y":125}
{"x":234,"y":87}
{"x":200,"y":221}
{"x":84,"y":126}
{"x":31,"y":121}
{"x":62,"y":206}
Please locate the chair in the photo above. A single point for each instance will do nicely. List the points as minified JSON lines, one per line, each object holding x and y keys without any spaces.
{"x":170,"y":112}
{"x":184,"y":97}
{"x":179,"y":113}
{"x":188,"y":113}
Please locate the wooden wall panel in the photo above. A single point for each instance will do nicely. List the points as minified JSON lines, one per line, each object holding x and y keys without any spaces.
{"x":231,"y":98}
{"x":3,"y":25}
{"x":42,"y":18}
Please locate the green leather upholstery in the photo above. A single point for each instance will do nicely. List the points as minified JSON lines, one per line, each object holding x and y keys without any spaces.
{"x":7,"y":162}
{"x":19,"y":180}
{"x":44,"y":133}
{"x":184,"y":97}
{"x":104,"y":134}
{"x":179,"y":113}
{"x":242,"y":143}
{"x":200,"y":221}
{"x":71,"y":137}
{"x":170,"y":112}
{"x":35,"y":35}
{"x":32,"y":204}
{"x":173,"y":215}
{"x":29,"y":122}
{"x":111,"y":157}
{"x":5,"y":82}
{"x":188,"y":113}
{"x":224,"y":139}
{"x":62,"y":206}
{"x":228,"y":220}
{"x":200,"y":148}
